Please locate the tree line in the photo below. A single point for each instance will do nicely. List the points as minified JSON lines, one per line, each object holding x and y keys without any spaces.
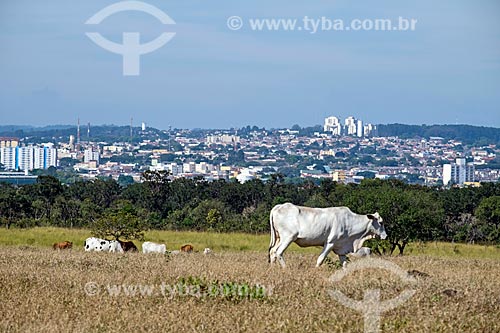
{"x":410,"y":212}
{"x":472,"y":135}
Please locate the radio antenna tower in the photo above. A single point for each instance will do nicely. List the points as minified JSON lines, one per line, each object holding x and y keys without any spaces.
{"x":169,"y":138}
{"x":78,"y":132}
{"x":131,"y":120}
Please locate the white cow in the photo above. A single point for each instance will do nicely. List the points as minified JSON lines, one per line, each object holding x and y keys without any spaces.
{"x":98,"y":245}
{"x":207,"y":250}
{"x":334,"y":228}
{"x":150,"y":247}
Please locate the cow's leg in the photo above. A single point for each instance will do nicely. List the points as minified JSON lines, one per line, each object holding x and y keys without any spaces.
{"x":343,"y":261}
{"x":272,"y":252}
{"x":326,"y":249}
{"x":281,"y":248}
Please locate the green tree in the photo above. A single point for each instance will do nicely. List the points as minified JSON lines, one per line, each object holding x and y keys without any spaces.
{"x":90,"y":212}
{"x":409,"y":213}
{"x":125,"y":181}
{"x":46,"y":190}
{"x":13,"y":205}
{"x":121,"y":222}
{"x":488,"y":213}
{"x":213,"y":219}
{"x":103,"y":192}
{"x":209,"y":214}
{"x":317,"y":200}
{"x":66,"y":212}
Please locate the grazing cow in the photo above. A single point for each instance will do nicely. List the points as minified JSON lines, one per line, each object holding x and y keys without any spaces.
{"x":98,"y":245}
{"x":334,"y":228}
{"x":150,"y":247}
{"x":62,"y":245}
{"x":207,"y":251}
{"x":188,"y":248}
{"x":128,"y":246}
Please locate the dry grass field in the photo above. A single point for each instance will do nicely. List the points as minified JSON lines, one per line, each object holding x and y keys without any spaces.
{"x":44,"y":237}
{"x":43,"y":290}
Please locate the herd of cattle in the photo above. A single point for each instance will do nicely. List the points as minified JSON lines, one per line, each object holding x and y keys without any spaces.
{"x":104,"y":245}
{"x":336,"y":229}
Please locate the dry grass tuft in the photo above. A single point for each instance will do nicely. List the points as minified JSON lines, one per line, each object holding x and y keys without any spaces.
{"x":43,"y":291}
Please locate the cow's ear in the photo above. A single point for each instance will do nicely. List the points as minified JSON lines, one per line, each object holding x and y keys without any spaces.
{"x":370,"y":216}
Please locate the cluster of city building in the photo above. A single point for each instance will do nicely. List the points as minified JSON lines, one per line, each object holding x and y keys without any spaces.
{"x":26,"y":158}
{"x":351,"y":126}
{"x":344,"y":153}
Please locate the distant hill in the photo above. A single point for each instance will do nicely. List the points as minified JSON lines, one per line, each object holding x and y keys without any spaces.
{"x":467,"y":134}
{"x":471,"y":135}
{"x":14,"y":128}
{"x":53,"y":133}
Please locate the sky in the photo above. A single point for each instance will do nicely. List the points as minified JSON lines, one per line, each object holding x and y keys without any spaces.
{"x":445,"y":71}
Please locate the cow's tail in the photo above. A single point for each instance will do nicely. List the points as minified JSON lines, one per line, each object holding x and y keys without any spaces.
{"x":273,"y":236}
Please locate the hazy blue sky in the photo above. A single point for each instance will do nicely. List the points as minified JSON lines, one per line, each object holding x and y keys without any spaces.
{"x":447,"y":71}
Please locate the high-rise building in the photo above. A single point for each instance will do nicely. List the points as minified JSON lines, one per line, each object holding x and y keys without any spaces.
{"x":332,"y":124}
{"x":24,"y":158}
{"x":50,"y":157}
{"x":8,"y":158}
{"x":350,"y":126}
{"x":369,"y":129}
{"x":91,"y":154}
{"x":28,"y":158}
{"x":459,"y":172}
{"x":359,"y":128}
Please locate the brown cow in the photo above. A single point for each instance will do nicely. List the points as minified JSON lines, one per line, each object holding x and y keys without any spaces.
{"x":62,"y":245}
{"x":187,"y":248}
{"x":128,"y":246}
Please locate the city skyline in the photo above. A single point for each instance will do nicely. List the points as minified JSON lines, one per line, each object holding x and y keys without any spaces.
{"x":139,"y":125}
{"x":447,"y":71}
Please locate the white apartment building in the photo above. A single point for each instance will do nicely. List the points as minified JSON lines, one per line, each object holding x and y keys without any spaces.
{"x":189,"y":167}
{"x":38,"y":159}
{"x":459,"y":172}
{"x":359,"y":128}
{"x":174,"y":168}
{"x":91,"y":154}
{"x":332,"y":124}
{"x":204,"y":167}
{"x":351,"y":126}
{"x":28,"y":158}
{"x":8,"y":158}
{"x":223,"y":139}
{"x":368,"y":129}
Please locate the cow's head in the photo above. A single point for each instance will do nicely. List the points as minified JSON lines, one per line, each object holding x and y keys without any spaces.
{"x":377,"y":225}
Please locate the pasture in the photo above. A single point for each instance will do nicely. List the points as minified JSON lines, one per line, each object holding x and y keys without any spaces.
{"x":43,"y":290}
